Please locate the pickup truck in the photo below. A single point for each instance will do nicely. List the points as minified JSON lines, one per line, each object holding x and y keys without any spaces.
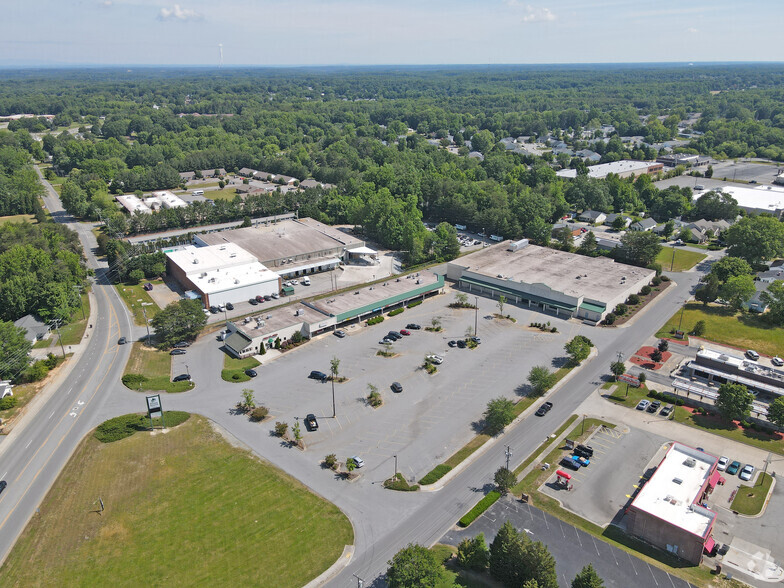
{"x":311,"y":423}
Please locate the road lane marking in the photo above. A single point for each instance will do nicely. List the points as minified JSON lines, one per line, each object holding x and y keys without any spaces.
{"x":51,"y":415}
{"x":28,"y":443}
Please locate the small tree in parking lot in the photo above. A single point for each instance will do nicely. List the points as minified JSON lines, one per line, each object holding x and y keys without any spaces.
{"x":501,"y":302}
{"x":281,"y":428}
{"x":351,"y":465}
{"x":618,"y":368}
{"x":248,"y":401}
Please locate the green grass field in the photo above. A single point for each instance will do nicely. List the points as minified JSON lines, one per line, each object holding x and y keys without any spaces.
{"x":73,"y":332}
{"x":156,"y":367}
{"x":234,"y":369}
{"x":744,"y":331}
{"x":684,"y":259}
{"x":131,"y":296}
{"x":17,"y":218}
{"x":184,"y":508}
{"x":750,"y":499}
{"x":228,"y":193}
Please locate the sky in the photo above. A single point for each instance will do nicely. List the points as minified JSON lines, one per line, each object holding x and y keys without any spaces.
{"x":372,"y":32}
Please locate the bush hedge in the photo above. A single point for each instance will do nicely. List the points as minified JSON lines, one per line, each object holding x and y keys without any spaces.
{"x":134,"y":381}
{"x":398,"y":482}
{"x":666,"y":397}
{"x":435,"y":474}
{"x":126,"y":425}
{"x":375,"y":320}
{"x":414,"y":303}
{"x":7,"y":402}
{"x":645,"y":290}
{"x":609,"y":319}
{"x":480,"y":507}
{"x":396,"y":312}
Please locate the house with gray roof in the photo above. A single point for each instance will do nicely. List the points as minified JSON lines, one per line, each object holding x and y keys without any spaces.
{"x":646,"y":224}
{"x":592,"y":216}
{"x":611,"y":219}
{"x":35,"y":328}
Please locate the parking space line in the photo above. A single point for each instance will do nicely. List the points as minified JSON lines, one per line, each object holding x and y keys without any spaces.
{"x":631,"y":561}
{"x":580,"y":541}
{"x":652,"y":575}
{"x":670,"y":577}
{"x":596,"y":547}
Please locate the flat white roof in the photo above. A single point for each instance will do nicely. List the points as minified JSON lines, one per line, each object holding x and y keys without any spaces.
{"x":133,"y":203}
{"x":220,"y":280}
{"x":768,"y":198}
{"x":195,"y":260}
{"x":614,"y":167}
{"x":671,"y":492}
{"x":169,"y":200}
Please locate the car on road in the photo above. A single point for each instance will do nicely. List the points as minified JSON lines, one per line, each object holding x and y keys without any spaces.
{"x":544,"y":409}
{"x":251,"y":373}
{"x":747,"y":473}
{"x":405,"y":332}
{"x":777,"y":361}
{"x":752,"y":355}
{"x":723,"y":463}
{"x":340,"y":333}
{"x":666,"y":411}
{"x":182,"y":378}
{"x":679,"y":242}
{"x":569,"y":463}
{"x":181,"y":344}
{"x":452,"y":343}
{"x":229,"y":306}
{"x":177,"y":352}
{"x":461,"y":344}
{"x":3,"y":484}
{"x":122,"y":341}
{"x":396,"y":387}
{"x":413,"y":326}
{"x":253,"y":301}
{"x":317,"y":375}
{"x":733,"y":468}
{"x":644,"y":404}
{"x":358,"y":461}
{"x":654,"y":407}
{"x":433,"y":358}
{"x":311,"y":423}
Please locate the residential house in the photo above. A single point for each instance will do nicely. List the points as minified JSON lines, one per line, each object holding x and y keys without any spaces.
{"x":589,"y":155}
{"x":476,"y":155}
{"x":607,"y":244}
{"x":210,"y":173}
{"x":592,"y":216}
{"x":697,"y":236}
{"x":6,"y":388}
{"x":285,"y":180}
{"x":187,"y":176}
{"x":263,"y":176}
{"x":646,"y":224}
{"x":610,"y":220}
{"x":246,"y":172}
{"x":35,"y":328}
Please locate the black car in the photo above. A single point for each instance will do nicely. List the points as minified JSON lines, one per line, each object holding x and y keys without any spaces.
{"x":253,"y":301}
{"x":311,"y":423}
{"x":654,"y":406}
{"x":584,"y":450}
{"x":229,"y":306}
{"x":544,"y":409}
{"x":122,"y":341}
{"x":3,"y":484}
{"x":666,"y":411}
{"x":182,"y":344}
{"x":317,"y":375}
{"x":396,"y":387}
{"x":413,"y":326}
{"x":251,"y":373}
{"x":570,"y":464}
{"x":182,"y":378}
{"x":461,"y":344}
{"x":214,"y":309}
{"x":452,"y":343}
{"x":394,"y":335}
{"x":177,"y":352}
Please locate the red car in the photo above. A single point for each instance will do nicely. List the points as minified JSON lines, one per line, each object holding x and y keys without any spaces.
{"x":259,"y":298}
{"x":405,"y":332}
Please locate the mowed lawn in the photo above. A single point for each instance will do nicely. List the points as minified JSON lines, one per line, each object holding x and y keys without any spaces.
{"x":684,"y":259}
{"x":184,"y":508}
{"x":155,"y":365}
{"x":722,"y":325}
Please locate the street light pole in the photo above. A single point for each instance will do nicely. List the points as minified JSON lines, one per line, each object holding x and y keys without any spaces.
{"x":59,"y":336}
{"x":476,"y":315}
{"x":508,"y":455}
{"x":672,"y":263}
{"x":81,"y":306}
{"x":395,"y":456}
{"x":334,"y":413}
{"x":146,"y":323}
{"x":360,"y":581}
{"x":187,"y":369}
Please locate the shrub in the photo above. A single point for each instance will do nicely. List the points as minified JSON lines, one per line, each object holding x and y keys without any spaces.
{"x":126,"y":425}
{"x":430,"y":368}
{"x":633,"y":299}
{"x":642,"y":377}
{"x":656,"y":355}
{"x":553,"y":329}
{"x":331,"y":461}
{"x":7,"y":402}
{"x":134,"y":381}
{"x":480,"y":507}
{"x":414,"y":303}
{"x":395,"y":312}
{"x":656,"y":280}
{"x":609,"y":319}
{"x":375,"y":320}
{"x":259,"y":413}
{"x":374,"y":398}
{"x":645,"y":290}
{"x":281,"y":428}
{"x":435,"y":474}
{"x":398,"y":482}
{"x":699,"y":328}
{"x":664,"y":278}
{"x":664,"y":345}
{"x":621,"y":309}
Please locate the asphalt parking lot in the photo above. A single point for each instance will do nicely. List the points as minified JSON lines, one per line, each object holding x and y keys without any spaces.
{"x":601,"y":490}
{"x":572,"y":548}
{"x":435,"y":414}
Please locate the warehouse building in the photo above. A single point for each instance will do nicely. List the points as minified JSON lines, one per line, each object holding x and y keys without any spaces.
{"x":294,"y":247}
{"x":549,"y":280}
{"x":713,"y":367}
{"x":757,"y":200}
{"x":221,"y":273}
{"x":670,"y":510}
{"x":624,"y":168}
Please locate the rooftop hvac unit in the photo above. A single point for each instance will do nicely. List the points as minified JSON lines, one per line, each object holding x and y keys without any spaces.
{"x":517,"y":245}
{"x":203,"y":275}
{"x":195,"y":260}
{"x":232,"y":255}
{"x":677,"y":481}
{"x":690,"y":463}
{"x":236,"y":281}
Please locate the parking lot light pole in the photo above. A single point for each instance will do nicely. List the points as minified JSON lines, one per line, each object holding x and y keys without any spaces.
{"x":187,"y":369}
{"x":582,"y":428}
{"x":508,"y":455}
{"x":476,"y":315}
{"x":395,"y":456}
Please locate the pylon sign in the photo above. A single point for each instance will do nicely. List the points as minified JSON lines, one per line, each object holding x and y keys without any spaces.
{"x":154,"y":409}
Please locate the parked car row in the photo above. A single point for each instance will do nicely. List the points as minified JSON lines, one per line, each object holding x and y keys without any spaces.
{"x":580,"y":458}
{"x":745,"y":473}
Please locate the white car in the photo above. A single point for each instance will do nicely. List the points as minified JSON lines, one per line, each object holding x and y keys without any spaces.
{"x":777,"y":361}
{"x":294,"y":282}
{"x":358,"y":460}
{"x":436,"y":359}
{"x":723,"y":463}
{"x":752,"y":355}
{"x":747,"y":473}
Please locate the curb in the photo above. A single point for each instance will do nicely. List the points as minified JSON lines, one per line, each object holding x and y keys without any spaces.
{"x":653,"y":303}
{"x":438,"y":485}
{"x":764,"y":506}
{"x":334,"y":569}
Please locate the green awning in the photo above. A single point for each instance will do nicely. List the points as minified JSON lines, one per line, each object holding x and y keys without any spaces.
{"x":288,"y":290}
{"x":522,"y":295}
{"x":593,"y":307}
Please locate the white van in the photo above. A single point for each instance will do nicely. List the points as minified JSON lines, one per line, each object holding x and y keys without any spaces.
{"x":306,"y":281}
{"x":198,"y":192}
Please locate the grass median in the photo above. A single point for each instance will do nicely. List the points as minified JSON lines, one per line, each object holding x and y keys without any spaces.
{"x":234,"y":369}
{"x":749,"y":500}
{"x":149,"y":370}
{"x":682,"y":261}
{"x":185,"y":508}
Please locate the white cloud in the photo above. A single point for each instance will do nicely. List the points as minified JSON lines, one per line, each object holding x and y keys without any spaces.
{"x":106,"y":3}
{"x":536,"y":14}
{"x":692,"y":30}
{"x":178,"y":13}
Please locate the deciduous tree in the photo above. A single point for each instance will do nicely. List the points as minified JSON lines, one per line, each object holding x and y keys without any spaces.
{"x":734,"y":401}
{"x":541,"y":379}
{"x":414,"y":566}
{"x":180,"y":320}
{"x":498,"y":414}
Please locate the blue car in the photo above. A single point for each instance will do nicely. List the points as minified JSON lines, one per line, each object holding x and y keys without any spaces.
{"x":583,"y":461}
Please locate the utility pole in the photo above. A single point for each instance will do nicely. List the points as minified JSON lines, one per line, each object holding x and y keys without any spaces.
{"x":360,"y":581}
{"x":476,"y":315}
{"x":680,"y":320}
{"x":672,"y":263}
{"x":508,"y":454}
{"x":81,"y":306}
{"x":56,"y":323}
{"x":395,"y":456}
{"x":146,"y":322}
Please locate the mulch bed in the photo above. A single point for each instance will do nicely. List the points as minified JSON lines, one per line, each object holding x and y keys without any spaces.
{"x":642,"y":358}
{"x":644,"y":300}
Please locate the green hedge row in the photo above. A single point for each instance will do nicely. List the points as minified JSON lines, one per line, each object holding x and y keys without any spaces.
{"x":480,"y":507}
{"x":134,"y":381}
{"x":666,"y":397}
{"x":126,"y":425}
{"x":435,"y":474}
{"x":414,"y":303}
{"x":395,"y":312}
{"x":375,"y":320}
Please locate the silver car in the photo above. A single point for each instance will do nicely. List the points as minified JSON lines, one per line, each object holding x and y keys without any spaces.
{"x":747,"y":473}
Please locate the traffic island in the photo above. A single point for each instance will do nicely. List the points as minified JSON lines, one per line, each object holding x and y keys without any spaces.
{"x":750,"y":501}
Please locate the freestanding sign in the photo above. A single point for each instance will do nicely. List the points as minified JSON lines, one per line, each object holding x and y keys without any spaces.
{"x":629,"y":380}
{"x":154,"y":409}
